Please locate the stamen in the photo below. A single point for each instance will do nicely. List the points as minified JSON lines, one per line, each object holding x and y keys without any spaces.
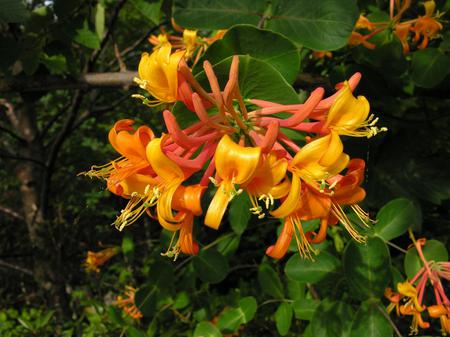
{"x":303,"y":245}
{"x":174,"y":250}
{"x":345,"y":221}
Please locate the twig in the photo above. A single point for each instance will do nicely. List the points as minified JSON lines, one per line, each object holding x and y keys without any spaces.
{"x":385,"y":314}
{"x":11,"y":213}
{"x":15,"y":267}
{"x":393,"y":245}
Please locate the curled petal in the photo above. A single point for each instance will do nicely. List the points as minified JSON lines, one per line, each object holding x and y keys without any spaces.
{"x":280,"y":248}
{"x":219,"y":204}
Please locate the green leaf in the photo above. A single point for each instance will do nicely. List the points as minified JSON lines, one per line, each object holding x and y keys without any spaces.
{"x":396,"y":276}
{"x":433,"y":251}
{"x":280,"y":53}
{"x":181,"y":300}
{"x":127,"y":245}
{"x":12,"y":11}
{"x":159,"y":284}
{"x":217,"y":14}
{"x":230,"y":320}
{"x":366,"y":267}
{"x":87,"y":38}
{"x":296,"y":289}
{"x":257,"y":79}
{"x":324,"y":26}
{"x":311,"y":271}
{"x":283,"y":318}
{"x":56,"y":64}
{"x":114,"y":315}
{"x":151,"y":10}
{"x":229,"y":245}
{"x":206,"y":329}
{"x":100,"y":20}
{"x":134,"y":332}
{"x":248,"y":306}
{"x":304,"y":308}
{"x":396,"y":217}
{"x":331,"y":319}
{"x":429,"y":67}
{"x":239,"y":214}
{"x":270,"y":281}
{"x":369,"y":321}
{"x":211,"y":266}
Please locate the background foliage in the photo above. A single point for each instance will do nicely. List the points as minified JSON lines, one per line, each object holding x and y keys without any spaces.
{"x":56,"y":110}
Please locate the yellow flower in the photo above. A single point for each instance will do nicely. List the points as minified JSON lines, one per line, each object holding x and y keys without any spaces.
{"x":317,"y":161}
{"x":408,"y":290}
{"x":158,"y":74}
{"x":235,"y":164}
{"x":349,"y":115}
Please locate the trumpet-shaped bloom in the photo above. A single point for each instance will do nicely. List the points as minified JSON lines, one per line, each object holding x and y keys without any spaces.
{"x":127,"y":303}
{"x":158,"y":73}
{"x":96,"y":259}
{"x":349,"y":115}
{"x":235,"y":164}
{"x":426,"y":27}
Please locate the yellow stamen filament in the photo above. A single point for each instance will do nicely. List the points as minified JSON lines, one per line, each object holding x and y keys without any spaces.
{"x":174,"y":249}
{"x":137,"y":205}
{"x":104,"y":171}
{"x":304,"y":247}
{"x":362,"y":215}
{"x":365,"y":129}
{"x":338,"y":212}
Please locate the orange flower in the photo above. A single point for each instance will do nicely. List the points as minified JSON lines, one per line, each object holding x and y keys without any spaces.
{"x":158,"y":74}
{"x":96,"y":259}
{"x":357,"y":38}
{"x":426,"y":27}
{"x":441,"y":312}
{"x":364,"y":23}
{"x":235,"y":165}
{"x":402,"y":31}
{"x":127,"y":303}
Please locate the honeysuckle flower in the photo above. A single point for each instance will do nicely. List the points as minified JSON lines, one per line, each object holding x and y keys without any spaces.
{"x":417,"y":321}
{"x":364,"y":23}
{"x":426,"y":27}
{"x":402,"y":31}
{"x":441,"y":312}
{"x":349,"y":116}
{"x":408,"y":290}
{"x":394,"y":298}
{"x":357,"y":39}
{"x":316,"y":162}
{"x":235,"y":165}
{"x":127,"y":303}
{"x":158,"y":74}
{"x":96,"y":259}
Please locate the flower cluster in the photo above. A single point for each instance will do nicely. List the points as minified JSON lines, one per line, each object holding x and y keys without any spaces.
{"x":419,"y":31}
{"x":239,"y":146}
{"x":409,"y":300}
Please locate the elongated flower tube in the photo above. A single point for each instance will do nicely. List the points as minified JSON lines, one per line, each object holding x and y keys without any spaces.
{"x":235,"y":164}
{"x":96,"y":259}
{"x":158,"y":74}
{"x":171,"y":177}
{"x":426,"y":27}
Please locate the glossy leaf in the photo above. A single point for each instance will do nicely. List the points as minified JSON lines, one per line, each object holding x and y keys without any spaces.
{"x":230,"y":320}
{"x":429,"y":67}
{"x":283,"y":318}
{"x":270,"y":281}
{"x":206,"y":329}
{"x":369,"y":321}
{"x":248,"y":306}
{"x":239,"y":214}
{"x":134,"y":332}
{"x":324,"y":26}
{"x":331,"y":319}
{"x":280,"y":53}
{"x":216,"y":14}
{"x":304,"y":308}
{"x":211,"y":266}
{"x":87,"y":37}
{"x":296,"y":289}
{"x":366,"y":268}
{"x":312,"y":271}
{"x":433,"y":251}
{"x":229,"y":245}
{"x":396,"y":217}
{"x":151,"y":10}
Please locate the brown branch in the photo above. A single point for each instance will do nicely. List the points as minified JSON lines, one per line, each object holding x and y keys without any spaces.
{"x":89,"y":80}
{"x":15,"y":267}
{"x":11,"y":213}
